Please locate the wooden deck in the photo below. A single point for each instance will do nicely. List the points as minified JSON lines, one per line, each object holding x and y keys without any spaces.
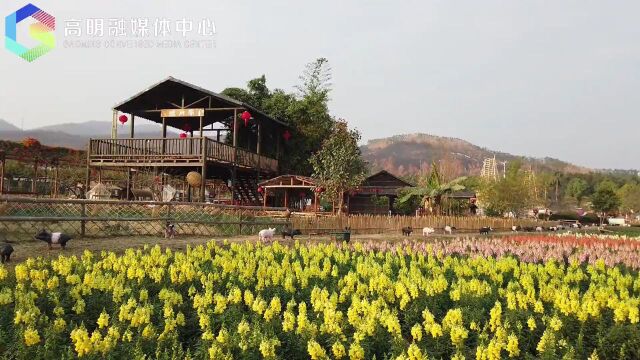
{"x":192,"y":151}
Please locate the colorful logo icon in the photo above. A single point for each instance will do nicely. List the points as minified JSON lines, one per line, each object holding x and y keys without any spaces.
{"x":42,"y":31}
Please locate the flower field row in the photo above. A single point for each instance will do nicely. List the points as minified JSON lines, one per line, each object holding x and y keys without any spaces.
{"x":529,"y":248}
{"x":316,"y":301}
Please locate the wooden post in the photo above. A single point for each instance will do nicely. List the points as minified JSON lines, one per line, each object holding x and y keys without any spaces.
{"x":286,"y":198}
{"x":133,"y":121}
{"x":87,"y":179}
{"x":259,"y":144}
{"x":235,"y":155}
{"x":56,"y":173}
{"x":35,"y":178}
{"x":264,"y":198}
{"x":315,"y":201}
{"x":164,"y":135}
{"x":2,"y":163}
{"x":128,"y":192}
{"x":114,"y":125}
{"x":201,"y":126}
{"x":203,"y":185}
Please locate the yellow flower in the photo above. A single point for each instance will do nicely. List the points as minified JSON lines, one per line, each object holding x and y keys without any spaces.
{"x":531,"y":323}
{"x":338,"y":350}
{"x":31,"y":337}
{"x":416,"y":332}
{"x":512,"y":346}
{"x":315,"y":350}
{"x":103,"y":320}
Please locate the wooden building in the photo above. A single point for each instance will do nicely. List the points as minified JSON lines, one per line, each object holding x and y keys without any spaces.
{"x":294,"y":192}
{"x":376,"y":187}
{"x":222,"y":139}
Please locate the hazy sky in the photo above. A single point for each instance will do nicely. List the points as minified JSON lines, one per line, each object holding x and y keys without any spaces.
{"x":539,"y":78}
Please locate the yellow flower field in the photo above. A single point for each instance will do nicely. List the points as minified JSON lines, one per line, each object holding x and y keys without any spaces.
{"x":315,"y":301}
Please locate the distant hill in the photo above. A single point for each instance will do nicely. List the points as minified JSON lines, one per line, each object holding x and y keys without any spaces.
{"x":76,"y":135}
{"x":408,"y":154}
{"x":7,"y":126}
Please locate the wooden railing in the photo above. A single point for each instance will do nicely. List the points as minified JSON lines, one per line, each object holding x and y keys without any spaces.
{"x":163,"y":150}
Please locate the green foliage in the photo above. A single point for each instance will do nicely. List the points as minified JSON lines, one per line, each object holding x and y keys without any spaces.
{"x":629,"y":195}
{"x":338,"y":166}
{"x":306,"y":111}
{"x":605,"y":200}
{"x":430,"y":190}
{"x":576,"y":189}
{"x":510,"y":194}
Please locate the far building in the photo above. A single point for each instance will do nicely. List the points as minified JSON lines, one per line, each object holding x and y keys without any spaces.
{"x":376,"y":187}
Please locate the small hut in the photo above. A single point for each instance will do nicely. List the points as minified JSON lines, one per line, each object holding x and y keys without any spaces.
{"x":376,"y":195}
{"x":291,"y":191}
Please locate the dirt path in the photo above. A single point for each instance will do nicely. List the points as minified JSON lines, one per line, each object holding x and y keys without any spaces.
{"x":24,"y":250}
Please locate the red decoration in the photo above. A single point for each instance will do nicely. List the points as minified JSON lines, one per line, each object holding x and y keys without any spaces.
{"x":186,"y":127}
{"x":183,"y":135}
{"x":123,"y":119}
{"x":260,"y":189}
{"x":286,"y":135}
{"x":319,"y":190}
{"x":157,"y":179}
{"x":246,"y":116}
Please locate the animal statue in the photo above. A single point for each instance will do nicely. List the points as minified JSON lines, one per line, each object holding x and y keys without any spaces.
{"x":449,"y":229}
{"x":516,"y":228}
{"x":53,"y":238}
{"x":170,"y":231}
{"x":266,"y":234}
{"x":485,"y":230}
{"x":290,"y":233}
{"x":539,"y":229}
{"x":428,"y":231}
{"x":406,"y":231}
{"x":5,"y":253}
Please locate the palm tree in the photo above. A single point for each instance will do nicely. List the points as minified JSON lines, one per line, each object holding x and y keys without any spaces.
{"x":432,"y":191}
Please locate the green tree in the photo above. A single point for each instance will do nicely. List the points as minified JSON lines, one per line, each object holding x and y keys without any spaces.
{"x":629,"y":195}
{"x":338,"y":166}
{"x":512,"y":193}
{"x":306,"y":111}
{"x":605,"y":200}
{"x":576,"y":189}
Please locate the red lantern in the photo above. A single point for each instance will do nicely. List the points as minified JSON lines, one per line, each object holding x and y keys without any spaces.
{"x":260,"y":189}
{"x":123,"y":119}
{"x":246,"y":116}
{"x":286,"y":135}
{"x":319,"y":190}
{"x":183,"y":135}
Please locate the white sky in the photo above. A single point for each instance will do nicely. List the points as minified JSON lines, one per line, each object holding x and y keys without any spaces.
{"x":538,"y":78}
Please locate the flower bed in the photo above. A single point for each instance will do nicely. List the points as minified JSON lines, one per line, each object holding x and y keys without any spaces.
{"x":321,"y":301}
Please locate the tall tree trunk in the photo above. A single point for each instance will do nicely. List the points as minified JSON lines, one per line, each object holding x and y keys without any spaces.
{"x":340,"y":203}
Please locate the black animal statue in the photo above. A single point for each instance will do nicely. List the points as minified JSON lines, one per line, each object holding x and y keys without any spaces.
{"x":53,"y":238}
{"x":485,"y":230}
{"x":5,"y":253}
{"x":406,"y":231}
{"x":290,"y":233}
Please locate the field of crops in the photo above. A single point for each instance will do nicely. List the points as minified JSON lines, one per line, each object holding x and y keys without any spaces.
{"x":520,"y":297}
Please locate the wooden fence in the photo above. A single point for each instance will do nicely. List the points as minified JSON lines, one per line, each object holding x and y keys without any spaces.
{"x":21,"y":218}
{"x":377,"y":224}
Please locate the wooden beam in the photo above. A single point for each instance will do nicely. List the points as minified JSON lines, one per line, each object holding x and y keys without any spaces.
{"x":133,"y":122}
{"x":114,"y":125}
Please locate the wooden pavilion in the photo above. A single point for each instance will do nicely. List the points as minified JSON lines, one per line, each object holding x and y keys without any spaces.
{"x":380,"y":184}
{"x":222,"y":138}
{"x":290,"y":191}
